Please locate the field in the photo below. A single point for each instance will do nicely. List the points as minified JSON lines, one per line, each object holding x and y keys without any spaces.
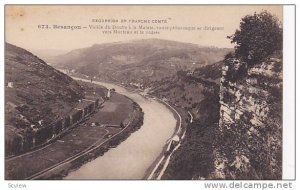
{"x":115,"y":111}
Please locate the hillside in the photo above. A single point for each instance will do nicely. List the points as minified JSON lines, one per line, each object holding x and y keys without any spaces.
{"x":140,"y":61}
{"x":197,"y":93}
{"x":187,"y":90}
{"x":35,"y":94}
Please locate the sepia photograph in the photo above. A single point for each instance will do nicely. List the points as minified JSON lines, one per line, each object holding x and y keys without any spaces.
{"x":144,"y":92}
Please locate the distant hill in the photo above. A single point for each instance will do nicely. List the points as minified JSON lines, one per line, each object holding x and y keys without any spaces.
{"x":48,"y":54}
{"x":142,"y":61}
{"x":35,"y":93}
{"x":187,"y":89}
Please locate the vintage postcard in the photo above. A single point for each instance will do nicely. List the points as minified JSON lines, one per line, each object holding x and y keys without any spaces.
{"x":149,"y":92}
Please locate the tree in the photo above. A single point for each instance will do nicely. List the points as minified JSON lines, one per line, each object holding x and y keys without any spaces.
{"x":258,"y":37}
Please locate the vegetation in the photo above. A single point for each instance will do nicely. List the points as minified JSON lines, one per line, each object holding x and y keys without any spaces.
{"x":197,"y":93}
{"x":258,"y":37}
{"x":194,"y":158}
{"x":251,"y":145}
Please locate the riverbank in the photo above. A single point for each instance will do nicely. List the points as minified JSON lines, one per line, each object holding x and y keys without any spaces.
{"x":95,"y":150}
{"x":195,"y":157}
{"x":138,"y":152}
{"x":153,"y":166}
{"x":157,"y":168}
{"x":91,"y":138}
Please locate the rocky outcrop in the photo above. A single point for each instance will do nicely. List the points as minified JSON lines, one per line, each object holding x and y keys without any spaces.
{"x":34,"y":137}
{"x":249,"y":144}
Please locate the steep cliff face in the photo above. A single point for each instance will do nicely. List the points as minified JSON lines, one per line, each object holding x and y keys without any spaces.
{"x":250,"y":127}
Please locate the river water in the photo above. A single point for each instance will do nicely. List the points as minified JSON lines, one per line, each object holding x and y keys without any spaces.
{"x":132,"y":158}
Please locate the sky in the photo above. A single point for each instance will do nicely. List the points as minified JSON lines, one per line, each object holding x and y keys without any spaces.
{"x":21,"y":24}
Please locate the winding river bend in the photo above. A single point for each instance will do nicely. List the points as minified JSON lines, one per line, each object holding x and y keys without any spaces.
{"x":132,"y":158}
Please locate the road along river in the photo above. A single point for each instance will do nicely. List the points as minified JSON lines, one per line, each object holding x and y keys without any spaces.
{"x":132,"y":158}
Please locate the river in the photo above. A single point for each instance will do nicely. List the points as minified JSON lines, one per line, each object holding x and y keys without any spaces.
{"x":132,"y":158}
